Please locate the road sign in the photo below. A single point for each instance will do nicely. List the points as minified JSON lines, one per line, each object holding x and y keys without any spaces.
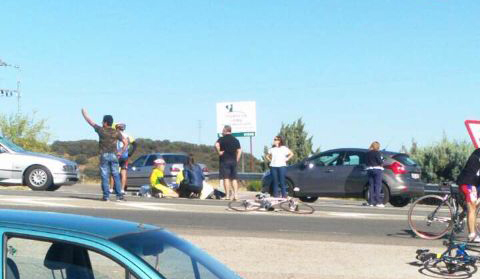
{"x":241,"y":116}
{"x":473,"y":128}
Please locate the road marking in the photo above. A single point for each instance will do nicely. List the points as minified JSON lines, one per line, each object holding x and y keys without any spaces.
{"x":35,"y":201}
{"x":147,"y":206}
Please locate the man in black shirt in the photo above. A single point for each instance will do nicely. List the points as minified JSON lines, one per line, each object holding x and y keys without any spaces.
{"x":467,"y":181}
{"x":228,"y":148}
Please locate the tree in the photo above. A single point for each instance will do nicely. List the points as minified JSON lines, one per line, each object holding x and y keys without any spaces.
{"x":25,"y":131}
{"x":297,"y":139}
{"x":442,"y":161}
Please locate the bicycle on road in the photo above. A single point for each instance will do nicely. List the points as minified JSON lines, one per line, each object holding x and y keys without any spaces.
{"x":433,"y":216}
{"x":265,"y":202}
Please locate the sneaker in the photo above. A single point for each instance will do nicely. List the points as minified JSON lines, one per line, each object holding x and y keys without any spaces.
{"x":120,"y":199}
{"x":380,"y":205}
{"x":111,"y":191}
{"x":475,"y":239}
{"x":105,"y":199}
{"x":123,"y":191}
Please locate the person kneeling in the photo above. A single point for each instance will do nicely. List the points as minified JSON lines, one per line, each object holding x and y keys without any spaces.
{"x":190,"y":180}
{"x":157,"y":182}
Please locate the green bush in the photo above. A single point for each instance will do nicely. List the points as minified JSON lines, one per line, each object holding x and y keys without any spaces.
{"x":255,"y":186}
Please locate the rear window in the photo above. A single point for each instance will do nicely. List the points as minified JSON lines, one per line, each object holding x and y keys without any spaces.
{"x":175,"y":159}
{"x":405,"y":159}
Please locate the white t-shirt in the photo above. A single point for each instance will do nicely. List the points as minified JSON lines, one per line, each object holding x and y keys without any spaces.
{"x":279,"y":156}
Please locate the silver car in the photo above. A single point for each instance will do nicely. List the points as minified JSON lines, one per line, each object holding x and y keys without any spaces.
{"x":139,"y":171}
{"x":40,"y":172}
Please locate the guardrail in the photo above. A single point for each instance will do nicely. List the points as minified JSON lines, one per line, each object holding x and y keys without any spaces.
{"x":240,"y":175}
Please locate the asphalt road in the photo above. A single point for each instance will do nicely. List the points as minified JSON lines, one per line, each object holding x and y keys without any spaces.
{"x":342,"y":239}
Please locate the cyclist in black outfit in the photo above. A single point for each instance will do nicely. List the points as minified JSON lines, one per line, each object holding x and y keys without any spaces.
{"x":468,"y":181}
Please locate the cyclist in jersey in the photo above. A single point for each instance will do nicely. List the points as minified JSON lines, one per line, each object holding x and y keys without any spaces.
{"x":468,"y":181}
{"x":123,"y":159}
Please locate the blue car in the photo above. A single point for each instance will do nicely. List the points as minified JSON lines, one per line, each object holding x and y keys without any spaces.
{"x":54,"y":245}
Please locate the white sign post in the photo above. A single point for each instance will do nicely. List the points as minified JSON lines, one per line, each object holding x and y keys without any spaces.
{"x":473,"y":128}
{"x":242,"y":117}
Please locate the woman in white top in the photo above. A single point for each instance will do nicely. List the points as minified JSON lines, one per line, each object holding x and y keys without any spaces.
{"x":278,"y":156}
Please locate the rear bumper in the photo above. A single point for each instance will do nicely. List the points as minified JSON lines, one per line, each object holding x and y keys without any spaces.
{"x":411,"y":189}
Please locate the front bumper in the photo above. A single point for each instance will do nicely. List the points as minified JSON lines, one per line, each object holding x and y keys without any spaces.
{"x":67,"y":178}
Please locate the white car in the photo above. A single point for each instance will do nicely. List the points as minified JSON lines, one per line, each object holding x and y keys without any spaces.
{"x":40,"y":172}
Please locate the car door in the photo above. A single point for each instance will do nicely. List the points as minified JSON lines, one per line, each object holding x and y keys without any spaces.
{"x":353,"y":170}
{"x":319,"y":175}
{"x":6,"y":164}
{"x":135,"y":172}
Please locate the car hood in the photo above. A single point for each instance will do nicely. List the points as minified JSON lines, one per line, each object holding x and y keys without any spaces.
{"x":47,"y":157}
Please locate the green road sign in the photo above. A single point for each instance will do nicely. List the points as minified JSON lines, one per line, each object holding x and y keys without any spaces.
{"x":246,"y":134}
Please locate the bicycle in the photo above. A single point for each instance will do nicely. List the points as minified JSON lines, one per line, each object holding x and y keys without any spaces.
{"x":440,"y":214}
{"x":264,"y":201}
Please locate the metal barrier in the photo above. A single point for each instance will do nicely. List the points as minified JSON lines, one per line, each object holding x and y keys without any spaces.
{"x":240,"y":175}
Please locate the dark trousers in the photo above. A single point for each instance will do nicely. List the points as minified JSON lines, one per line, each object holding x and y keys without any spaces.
{"x":375,"y":186}
{"x":278,"y":177}
{"x":184,"y":190}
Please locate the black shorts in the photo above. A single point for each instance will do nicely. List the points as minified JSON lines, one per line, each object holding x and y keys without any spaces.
{"x":228,"y":170}
{"x":123,"y":163}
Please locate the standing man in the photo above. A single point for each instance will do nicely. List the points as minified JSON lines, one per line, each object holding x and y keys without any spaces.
{"x":228,"y":148}
{"x":107,"y":144}
{"x":123,"y":159}
{"x":468,"y":181}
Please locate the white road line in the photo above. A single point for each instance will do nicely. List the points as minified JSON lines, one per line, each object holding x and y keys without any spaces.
{"x":147,"y":206}
{"x":36,"y":202}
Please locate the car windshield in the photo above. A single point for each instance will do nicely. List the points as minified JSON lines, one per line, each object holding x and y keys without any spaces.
{"x":173,"y":257}
{"x":175,"y":159}
{"x":10,"y":145}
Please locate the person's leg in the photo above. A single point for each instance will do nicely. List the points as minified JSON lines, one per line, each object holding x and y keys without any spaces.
{"x":371,"y":188}
{"x":281,"y":177}
{"x":123,"y":178}
{"x":470,"y":194}
{"x":116,"y":176}
{"x":110,"y":185}
{"x":274,"y":171}
{"x":378,"y":186}
{"x":233,"y":176}
{"x":104,"y":175}
{"x":226,"y":184}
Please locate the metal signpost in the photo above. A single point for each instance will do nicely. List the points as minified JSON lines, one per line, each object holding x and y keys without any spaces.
{"x":242,"y":117}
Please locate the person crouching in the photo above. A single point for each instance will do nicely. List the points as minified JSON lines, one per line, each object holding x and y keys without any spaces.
{"x":191,"y":179}
{"x":157,"y":182}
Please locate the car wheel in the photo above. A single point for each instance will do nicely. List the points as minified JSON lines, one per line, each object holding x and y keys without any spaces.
{"x":385,"y":192}
{"x":399,"y":201}
{"x":54,"y":187}
{"x":38,"y":178}
{"x":308,"y":199}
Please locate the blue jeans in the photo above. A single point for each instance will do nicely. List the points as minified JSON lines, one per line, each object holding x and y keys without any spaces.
{"x":109,"y":166}
{"x":278,"y":177}
{"x":375,"y":186}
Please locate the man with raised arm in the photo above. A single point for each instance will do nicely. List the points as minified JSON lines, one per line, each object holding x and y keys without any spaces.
{"x":107,"y":143}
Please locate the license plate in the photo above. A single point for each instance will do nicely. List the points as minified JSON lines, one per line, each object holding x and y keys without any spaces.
{"x":415,"y":175}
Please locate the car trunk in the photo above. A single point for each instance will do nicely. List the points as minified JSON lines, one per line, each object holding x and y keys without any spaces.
{"x":413,"y":169}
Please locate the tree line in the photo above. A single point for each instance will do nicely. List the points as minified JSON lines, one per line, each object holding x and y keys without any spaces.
{"x":440,"y":161}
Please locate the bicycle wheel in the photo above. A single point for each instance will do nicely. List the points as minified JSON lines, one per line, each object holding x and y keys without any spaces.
{"x":244,"y":205}
{"x":430,"y":217}
{"x":450,"y":268}
{"x":296,"y":207}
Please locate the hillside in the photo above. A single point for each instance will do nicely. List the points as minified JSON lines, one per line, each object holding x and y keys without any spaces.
{"x":85,"y":152}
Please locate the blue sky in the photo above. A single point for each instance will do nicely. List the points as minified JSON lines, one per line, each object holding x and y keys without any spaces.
{"x":355,"y":71}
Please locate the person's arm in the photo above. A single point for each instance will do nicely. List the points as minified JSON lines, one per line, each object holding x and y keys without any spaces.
{"x":239,"y":154}
{"x":217,"y":148}
{"x":87,"y":118}
{"x":124,"y":140}
{"x":290,"y":155}
{"x":153,"y":178}
{"x":180,"y":177}
{"x":134,"y":148}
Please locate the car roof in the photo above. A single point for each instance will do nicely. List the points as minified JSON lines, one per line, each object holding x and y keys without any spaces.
{"x":163,"y":154}
{"x":361,"y":150}
{"x":100,"y":227}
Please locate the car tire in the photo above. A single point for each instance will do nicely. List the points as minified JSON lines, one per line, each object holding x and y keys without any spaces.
{"x":385,"y":192}
{"x":399,"y":201}
{"x":53,"y":187}
{"x":38,"y":178}
{"x":308,"y":199}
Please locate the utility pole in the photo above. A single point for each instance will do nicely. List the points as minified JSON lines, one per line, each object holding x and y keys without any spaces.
{"x":5,"y":92}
